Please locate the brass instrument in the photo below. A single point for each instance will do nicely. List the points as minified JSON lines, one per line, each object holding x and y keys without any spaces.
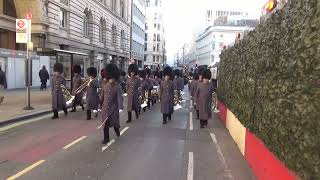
{"x":67,"y":95}
{"x":155,"y":92}
{"x":177,"y":97}
{"x":144,"y":99}
{"x":84,"y":85}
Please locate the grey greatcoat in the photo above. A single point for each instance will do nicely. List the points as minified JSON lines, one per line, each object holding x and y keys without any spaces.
{"x":133,"y":85}
{"x":204,"y":100}
{"x":77,"y":82}
{"x":179,"y":83}
{"x":112,"y":101}
{"x":144,"y":88}
{"x":92,"y":97}
{"x":58,"y":100}
{"x":194,"y":89}
{"x":167,"y":96}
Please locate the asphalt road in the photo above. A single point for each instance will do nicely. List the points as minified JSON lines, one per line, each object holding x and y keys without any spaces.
{"x":70,"y":149}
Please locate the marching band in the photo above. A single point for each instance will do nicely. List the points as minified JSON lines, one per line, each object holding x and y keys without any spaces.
{"x":142,"y":88}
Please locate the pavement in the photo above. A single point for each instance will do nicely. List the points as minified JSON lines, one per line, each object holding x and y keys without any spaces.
{"x":70,"y":148}
{"x":11,"y":108}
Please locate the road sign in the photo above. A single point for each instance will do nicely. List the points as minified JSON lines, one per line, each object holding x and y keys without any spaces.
{"x":21,"y":31}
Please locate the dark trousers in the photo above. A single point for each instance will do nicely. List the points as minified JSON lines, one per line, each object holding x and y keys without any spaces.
{"x":106,"y":131}
{"x":166,"y":117}
{"x":203,"y":123}
{"x":198,"y":113}
{"x":43,"y":84}
{"x":56,"y":114}
{"x":130,"y":115}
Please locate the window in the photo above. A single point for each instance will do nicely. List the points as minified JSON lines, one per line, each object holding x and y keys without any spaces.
{"x":122,"y":39}
{"x":158,"y":58}
{"x":156,"y":3}
{"x":154,"y":58}
{"x":155,"y":25}
{"x":158,"y":37}
{"x":122,"y":9}
{"x":86,"y":26}
{"x":155,"y":16}
{"x":158,"y":47}
{"x":154,"y":37}
{"x":158,"y":26}
{"x":154,"y":48}
{"x":146,"y":27}
{"x":146,"y":37}
{"x":148,"y":3}
{"x":114,"y":40}
{"x":145,"y":58}
{"x":65,"y":2}
{"x":145,"y":47}
{"x":63,"y":18}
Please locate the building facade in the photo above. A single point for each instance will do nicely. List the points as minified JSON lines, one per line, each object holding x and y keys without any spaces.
{"x":138,"y":31}
{"x":155,"y":52}
{"x":84,"y":32}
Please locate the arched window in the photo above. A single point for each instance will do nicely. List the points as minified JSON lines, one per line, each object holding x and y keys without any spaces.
{"x":114,"y":35}
{"x":102,"y":30}
{"x":122,"y":39}
{"x":87,"y":23}
{"x":122,"y":9}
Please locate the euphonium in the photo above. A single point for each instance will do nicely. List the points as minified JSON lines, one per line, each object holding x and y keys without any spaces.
{"x":67,"y":95}
{"x":84,"y":85}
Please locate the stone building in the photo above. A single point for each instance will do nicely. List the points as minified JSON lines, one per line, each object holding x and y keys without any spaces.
{"x":138,"y":31}
{"x":155,"y":51}
{"x":84,"y":32}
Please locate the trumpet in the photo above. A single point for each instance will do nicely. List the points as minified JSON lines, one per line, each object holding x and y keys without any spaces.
{"x":84,"y":85}
{"x":67,"y":95}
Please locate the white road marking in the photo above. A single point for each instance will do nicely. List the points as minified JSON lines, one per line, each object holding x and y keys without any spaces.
{"x":74,"y":142}
{"x":109,"y":144}
{"x":191,"y":122}
{"x":190,"y":166}
{"x":124,"y":130}
{"x":221,"y":157}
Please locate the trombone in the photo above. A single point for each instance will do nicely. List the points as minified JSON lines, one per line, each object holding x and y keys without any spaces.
{"x":84,"y":85}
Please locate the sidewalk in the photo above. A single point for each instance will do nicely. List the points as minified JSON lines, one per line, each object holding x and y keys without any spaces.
{"x":15,"y":100}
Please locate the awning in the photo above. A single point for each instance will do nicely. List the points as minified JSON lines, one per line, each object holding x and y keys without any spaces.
{"x":54,"y":52}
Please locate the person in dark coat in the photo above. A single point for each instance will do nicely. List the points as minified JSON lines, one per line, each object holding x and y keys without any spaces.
{"x":44,"y":77}
{"x":92,"y":98}
{"x":144,"y":88}
{"x":157,"y":78}
{"x":200,"y":71}
{"x":150,"y":84}
{"x":77,"y":82}
{"x":3,"y":83}
{"x":58,"y":100}
{"x":204,"y":96}
{"x":193,"y":88}
{"x":167,"y":94}
{"x":190,"y":78}
{"x":123,"y":81}
{"x":112,"y":101}
{"x":133,"y":88}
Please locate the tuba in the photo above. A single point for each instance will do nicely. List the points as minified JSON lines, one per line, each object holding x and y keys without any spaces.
{"x":67,"y":95}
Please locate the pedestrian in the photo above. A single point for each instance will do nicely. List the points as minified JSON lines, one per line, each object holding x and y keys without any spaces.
{"x":166,"y":94}
{"x":58,"y":99}
{"x":190,"y":78}
{"x":3,"y":83}
{"x":77,"y":82}
{"x":150,"y":84}
{"x":133,"y":88}
{"x":178,"y":83}
{"x":200,"y":71}
{"x":44,"y":77}
{"x":204,"y":96}
{"x":112,"y":101}
{"x":144,"y":89}
{"x":92,"y":97}
{"x":193,"y":88}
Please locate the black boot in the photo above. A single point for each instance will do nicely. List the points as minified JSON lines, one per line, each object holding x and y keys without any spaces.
{"x":144,"y":109}
{"x":164,"y":121}
{"x":55,"y":114}
{"x":82,"y":107}
{"x":206,"y":122}
{"x":139,"y":110}
{"x":137,"y":114}
{"x":106,"y":138}
{"x":129,"y":117}
{"x":198,"y":114}
{"x":169,"y":117}
{"x":88,"y":114}
{"x":201,"y":123}
{"x":117,"y":131}
{"x":74,"y":109}
{"x":65,"y":110}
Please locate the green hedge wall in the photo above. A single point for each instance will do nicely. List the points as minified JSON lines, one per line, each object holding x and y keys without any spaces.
{"x":271,"y":81}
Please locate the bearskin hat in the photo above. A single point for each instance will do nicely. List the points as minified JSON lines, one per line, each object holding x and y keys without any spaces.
{"x":200,"y":71}
{"x":156,"y":74}
{"x":92,"y":71}
{"x":133,"y":68}
{"x":177,"y":72}
{"x":195,"y":76}
{"x":167,"y":71}
{"x":148,"y":71}
{"x":112,"y":72}
{"x":206,"y":74}
{"x":77,"y":69}
{"x":142,"y":74}
{"x":58,"y":67}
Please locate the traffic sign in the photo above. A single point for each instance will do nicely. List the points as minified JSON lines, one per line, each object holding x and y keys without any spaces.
{"x":21,"y":30}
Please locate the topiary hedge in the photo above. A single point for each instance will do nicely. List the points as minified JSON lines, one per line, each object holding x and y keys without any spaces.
{"x":271,"y":81}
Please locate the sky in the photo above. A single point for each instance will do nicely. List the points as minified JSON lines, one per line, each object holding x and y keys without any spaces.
{"x":183,"y":18}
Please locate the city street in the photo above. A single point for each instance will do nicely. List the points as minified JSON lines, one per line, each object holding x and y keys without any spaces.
{"x":70,"y":148}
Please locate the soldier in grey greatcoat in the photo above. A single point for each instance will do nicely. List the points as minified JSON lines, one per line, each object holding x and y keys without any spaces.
{"x":204,"y":96}
{"x":200,"y":71}
{"x":92,"y":97}
{"x":112,"y":101}
{"x":144,"y":88}
{"x":58,"y":100}
{"x":133,"y":88}
{"x":167,"y":94}
{"x":77,"y":82}
{"x":193,"y":88}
